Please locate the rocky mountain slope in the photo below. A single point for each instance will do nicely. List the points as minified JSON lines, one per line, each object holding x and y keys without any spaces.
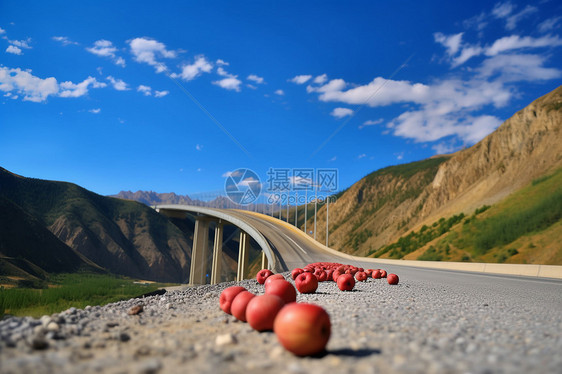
{"x":386,"y":204}
{"x":61,"y":227}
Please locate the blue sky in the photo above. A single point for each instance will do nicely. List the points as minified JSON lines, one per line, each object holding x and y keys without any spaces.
{"x":172,"y":96}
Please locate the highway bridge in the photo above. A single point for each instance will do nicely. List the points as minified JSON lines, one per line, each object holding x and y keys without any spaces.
{"x":285,"y":247}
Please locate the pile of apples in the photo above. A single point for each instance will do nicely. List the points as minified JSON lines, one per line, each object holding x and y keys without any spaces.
{"x":303,"y":329}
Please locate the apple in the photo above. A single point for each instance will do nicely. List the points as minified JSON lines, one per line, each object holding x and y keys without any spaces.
{"x":377,"y":274}
{"x":361,"y":276}
{"x":322,"y":276}
{"x":392,"y":278}
{"x":273,"y":277}
{"x":336,"y":274}
{"x":226,"y":297}
{"x":346,"y":282}
{"x":296,"y":272}
{"x":262,"y":310}
{"x":303,"y":329}
{"x":329,"y":274}
{"x":307,"y":283}
{"x":369,"y":272}
{"x":240,"y":303}
{"x":283,"y":289}
{"x":262,"y":275}
{"x":383,"y":273}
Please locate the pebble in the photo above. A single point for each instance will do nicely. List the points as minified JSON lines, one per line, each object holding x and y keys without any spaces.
{"x":225,"y":339}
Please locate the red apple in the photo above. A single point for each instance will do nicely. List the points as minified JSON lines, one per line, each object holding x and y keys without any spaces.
{"x":383,"y":273}
{"x":361,"y":276}
{"x":369,"y":272}
{"x":303,"y":329}
{"x":322,"y":276}
{"x":377,"y":274}
{"x":392,"y":278}
{"x":296,"y":272}
{"x":329,"y":274}
{"x":307,"y":283}
{"x":346,"y":282}
{"x":226,"y":297}
{"x":273,"y":277}
{"x":240,"y":303}
{"x":283,"y":289}
{"x":262,"y":275}
{"x":262,"y":310}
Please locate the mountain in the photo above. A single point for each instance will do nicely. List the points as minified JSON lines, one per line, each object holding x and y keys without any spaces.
{"x":153,"y":198}
{"x":389,"y":203}
{"x":61,"y":227}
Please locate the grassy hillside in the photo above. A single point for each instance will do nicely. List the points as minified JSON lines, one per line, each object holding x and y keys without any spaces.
{"x":526,"y":227}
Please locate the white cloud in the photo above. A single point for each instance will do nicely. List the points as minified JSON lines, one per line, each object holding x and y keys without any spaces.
{"x":148,"y":51}
{"x":161,"y":93}
{"x":255,"y":78}
{"x":24,"y":83}
{"x":466,"y":54}
{"x":300,"y":79}
{"x":518,"y":68}
{"x":341,"y":112}
{"x":362,"y":155}
{"x":452,"y":42}
{"x":2,"y":31}
{"x":95,"y":111}
{"x":146,"y":90}
{"x":13,"y":50}
{"x":502,"y":10}
{"x":64,"y":40}
{"x":21,"y":43}
{"x":199,"y":147}
{"x":549,"y":24}
{"x":118,"y":84}
{"x":512,"y":42}
{"x":192,"y":71}
{"x":222,"y":72}
{"x":333,"y":159}
{"x":371,"y":123}
{"x":321,"y":79}
{"x":280,"y":92}
{"x":232,"y":84}
{"x":70,"y":89}
{"x":220,"y":62}
{"x":105,"y":48}
{"x":511,"y":21}
{"x":444,"y":148}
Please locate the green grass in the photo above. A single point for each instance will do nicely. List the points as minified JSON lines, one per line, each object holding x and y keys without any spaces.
{"x":70,"y":290}
{"x":415,"y":240}
{"x":504,"y":228}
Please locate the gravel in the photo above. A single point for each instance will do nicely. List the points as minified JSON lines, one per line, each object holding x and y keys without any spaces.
{"x":418,"y":326}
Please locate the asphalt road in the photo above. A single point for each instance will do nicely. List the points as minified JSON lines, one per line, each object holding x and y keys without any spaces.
{"x":295,"y":250}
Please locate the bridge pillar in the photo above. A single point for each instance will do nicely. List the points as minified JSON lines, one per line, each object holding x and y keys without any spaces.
{"x":217,"y":254}
{"x":199,"y":252}
{"x":243,"y":255}
{"x":264,"y":262}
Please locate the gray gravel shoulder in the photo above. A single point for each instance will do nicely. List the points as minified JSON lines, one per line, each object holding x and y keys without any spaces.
{"x":414,"y":327}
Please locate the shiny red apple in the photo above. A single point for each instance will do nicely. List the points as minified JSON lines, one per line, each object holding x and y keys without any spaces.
{"x":361,"y":276}
{"x":283,"y":289}
{"x":273,"y":277}
{"x":262,"y":275}
{"x":295,"y":273}
{"x":307,"y":283}
{"x":262,"y":310}
{"x":227,"y":296}
{"x":303,"y":329}
{"x":239,"y":305}
{"x":392,"y":278}
{"x":346,"y":282}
